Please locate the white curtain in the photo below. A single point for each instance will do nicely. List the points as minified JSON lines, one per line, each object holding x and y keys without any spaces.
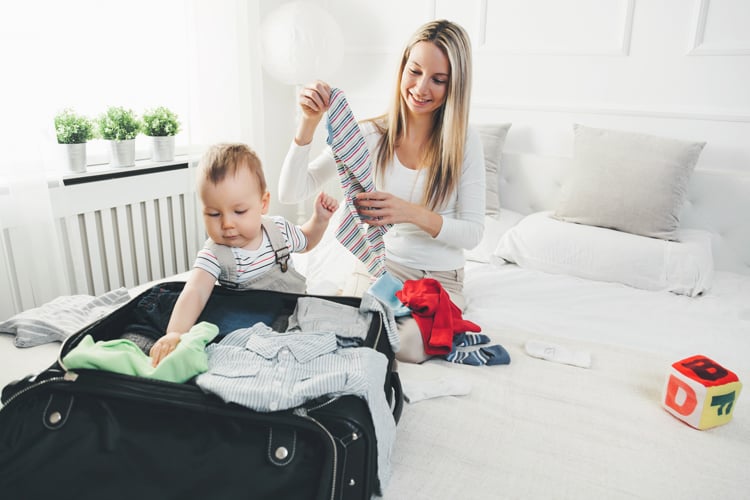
{"x":30,"y":252}
{"x":195,"y":57}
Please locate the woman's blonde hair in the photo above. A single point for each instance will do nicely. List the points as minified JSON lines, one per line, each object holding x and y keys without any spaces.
{"x":445,"y":151}
{"x":221,"y":160}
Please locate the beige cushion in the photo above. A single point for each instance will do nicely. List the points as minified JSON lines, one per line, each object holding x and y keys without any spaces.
{"x":493,"y":139}
{"x":628,"y":181}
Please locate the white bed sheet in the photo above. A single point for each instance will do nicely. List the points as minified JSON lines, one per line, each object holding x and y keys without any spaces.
{"x":537,"y":430}
{"x":716,"y":324}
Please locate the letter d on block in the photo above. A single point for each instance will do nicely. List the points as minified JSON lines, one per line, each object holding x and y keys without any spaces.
{"x":701,"y":392}
{"x":680,"y":397}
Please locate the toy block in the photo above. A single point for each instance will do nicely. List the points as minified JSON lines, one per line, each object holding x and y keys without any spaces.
{"x":701,"y":392}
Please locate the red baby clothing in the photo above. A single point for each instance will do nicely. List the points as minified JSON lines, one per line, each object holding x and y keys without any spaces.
{"x":438,"y":318}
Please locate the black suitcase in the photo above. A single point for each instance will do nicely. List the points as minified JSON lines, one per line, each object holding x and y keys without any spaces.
{"x":96,"y":434}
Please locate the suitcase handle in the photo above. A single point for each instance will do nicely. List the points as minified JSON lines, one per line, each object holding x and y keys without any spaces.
{"x":398,"y":396}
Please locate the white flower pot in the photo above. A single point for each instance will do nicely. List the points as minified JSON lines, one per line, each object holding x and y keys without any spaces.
{"x":162,"y":148}
{"x":123,"y":153}
{"x":75,"y":157}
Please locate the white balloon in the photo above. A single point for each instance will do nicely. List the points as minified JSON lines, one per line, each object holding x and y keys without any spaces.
{"x":301,"y":42}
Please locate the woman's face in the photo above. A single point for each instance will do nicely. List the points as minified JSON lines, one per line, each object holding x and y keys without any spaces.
{"x":424,"y":82}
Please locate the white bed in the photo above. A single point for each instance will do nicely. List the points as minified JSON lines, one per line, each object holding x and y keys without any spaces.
{"x":536,"y":429}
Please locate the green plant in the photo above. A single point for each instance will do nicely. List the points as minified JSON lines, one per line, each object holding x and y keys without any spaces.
{"x":118,"y":124}
{"x":72,"y":128}
{"x":160,"y":122}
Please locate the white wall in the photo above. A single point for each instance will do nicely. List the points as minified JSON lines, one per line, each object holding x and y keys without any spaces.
{"x":677,"y":68}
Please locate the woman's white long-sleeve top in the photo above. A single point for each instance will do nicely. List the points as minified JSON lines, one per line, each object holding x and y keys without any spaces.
{"x":406,"y":244}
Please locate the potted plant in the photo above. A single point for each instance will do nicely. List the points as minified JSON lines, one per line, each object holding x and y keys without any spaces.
{"x":161,"y":124}
{"x":73,"y":131}
{"x":120,"y":126}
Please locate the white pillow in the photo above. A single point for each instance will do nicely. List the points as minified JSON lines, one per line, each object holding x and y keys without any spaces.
{"x":543,"y":243}
{"x":494,"y":229}
{"x":493,"y":139}
{"x":628,"y":181}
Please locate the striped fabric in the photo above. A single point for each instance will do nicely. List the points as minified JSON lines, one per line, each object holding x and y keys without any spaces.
{"x":266,"y":370}
{"x":356,"y":175}
{"x":58,"y":319}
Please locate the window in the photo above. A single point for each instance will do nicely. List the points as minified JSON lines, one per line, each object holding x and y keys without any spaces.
{"x":89,"y":55}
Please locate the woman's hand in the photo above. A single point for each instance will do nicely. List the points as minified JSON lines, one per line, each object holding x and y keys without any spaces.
{"x":378,"y":208}
{"x":163,"y":347}
{"x":314,"y":100}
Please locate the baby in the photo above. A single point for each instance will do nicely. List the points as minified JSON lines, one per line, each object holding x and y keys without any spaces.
{"x":244,"y":249}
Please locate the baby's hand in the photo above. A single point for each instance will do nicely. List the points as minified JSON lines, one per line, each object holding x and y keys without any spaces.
{"x":163,"y":347}
{"x":325,"y":205}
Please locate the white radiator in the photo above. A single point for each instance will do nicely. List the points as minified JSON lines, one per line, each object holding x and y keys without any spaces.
{"x":114,"y":229}
{"x":127,"y":231}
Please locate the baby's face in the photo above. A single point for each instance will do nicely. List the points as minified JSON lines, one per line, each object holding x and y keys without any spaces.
{"x":233,"y":208}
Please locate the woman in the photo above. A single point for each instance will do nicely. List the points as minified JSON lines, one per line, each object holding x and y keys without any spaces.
{"x":428,"y":162}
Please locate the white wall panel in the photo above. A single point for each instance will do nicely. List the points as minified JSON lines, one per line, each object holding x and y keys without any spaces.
{"x":547,"y":130}
{"x":382,"y":26}
{"x":721,"y":28}
{"x":470,"y":14}
{"x":554,"y":27}
{"x":546,"y":64}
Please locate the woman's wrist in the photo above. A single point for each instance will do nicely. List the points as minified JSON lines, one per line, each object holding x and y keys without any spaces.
{"x":305,"y":131}
{"x":427,"y":220}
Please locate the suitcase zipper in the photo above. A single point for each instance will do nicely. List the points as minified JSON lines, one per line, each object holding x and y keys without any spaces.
{"x":303,"y":413}
{"x":377,"y":337}
{"x":322,"y":405}
{"x":68,"y":377}
{"x":373,"y":458}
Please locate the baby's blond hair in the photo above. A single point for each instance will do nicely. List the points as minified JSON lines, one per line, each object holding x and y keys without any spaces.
{"x":226,"y":159}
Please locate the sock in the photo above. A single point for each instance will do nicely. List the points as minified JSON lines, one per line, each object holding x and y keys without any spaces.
{"x":417,"y":390}
{"x":557,"y":353}
{"x":470,"y":339}
{"x":490,"y":355}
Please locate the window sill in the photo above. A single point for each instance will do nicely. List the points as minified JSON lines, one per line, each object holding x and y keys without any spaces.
{"x":95,"y":173}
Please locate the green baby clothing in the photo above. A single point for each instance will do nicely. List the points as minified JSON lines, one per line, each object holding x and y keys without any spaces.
{"x":123,"y":356}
